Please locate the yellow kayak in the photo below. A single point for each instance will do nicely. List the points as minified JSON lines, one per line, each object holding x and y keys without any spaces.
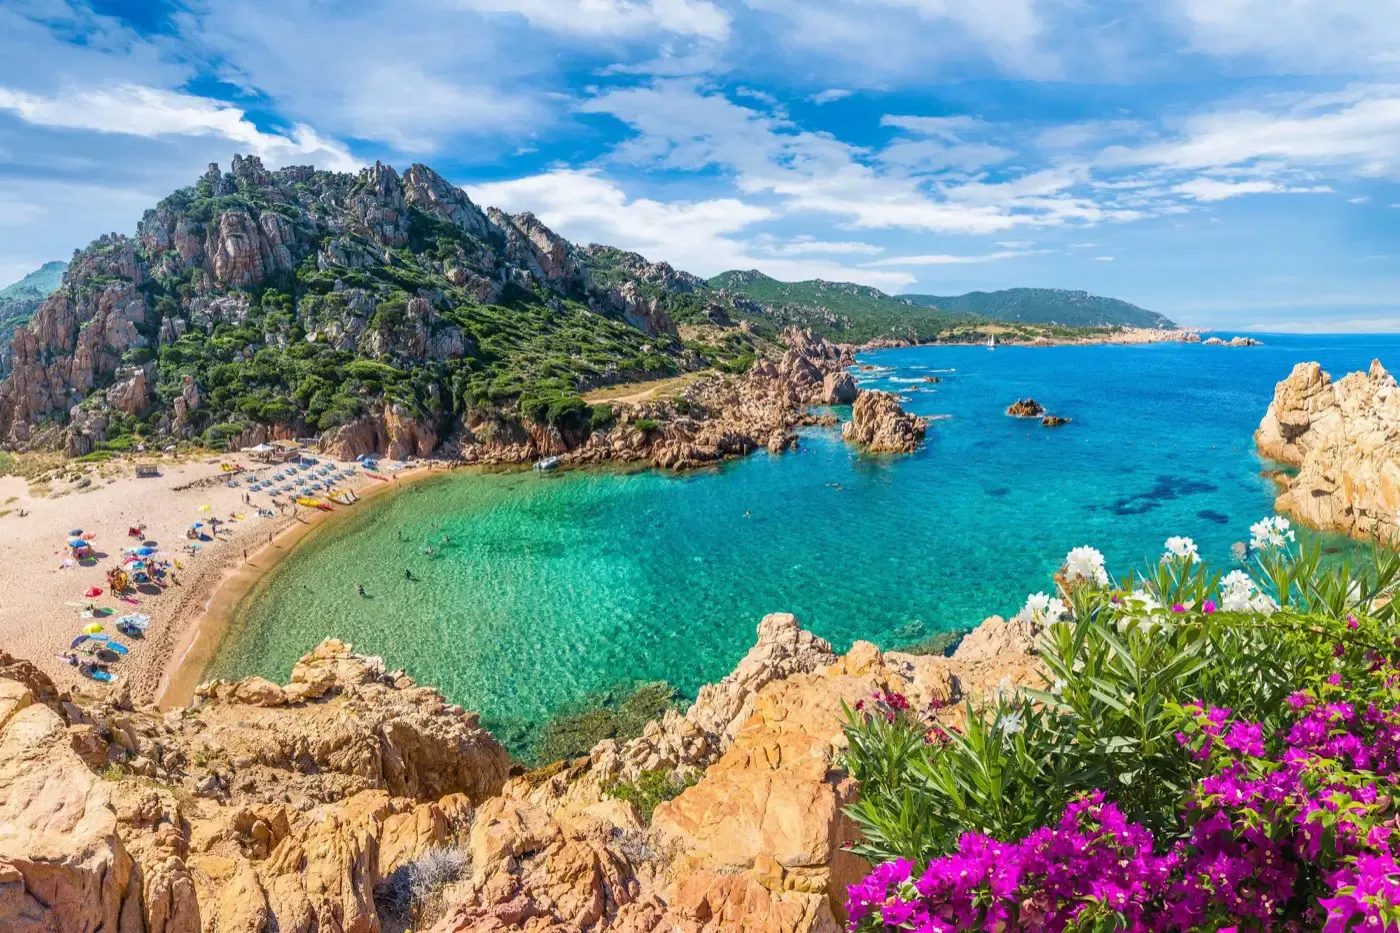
{"x":312,"y":503}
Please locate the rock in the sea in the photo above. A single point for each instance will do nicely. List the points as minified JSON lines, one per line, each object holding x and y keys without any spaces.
{"x":1345,"y":439}
{"x":1053,"y":421}
{"x":879,"y":424}
{"x":1025,"y":408}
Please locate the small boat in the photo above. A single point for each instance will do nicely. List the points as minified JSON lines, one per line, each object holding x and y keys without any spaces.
{"x":991,"y":343}
{"x":343,"y":497}
{"x":547,"y":463}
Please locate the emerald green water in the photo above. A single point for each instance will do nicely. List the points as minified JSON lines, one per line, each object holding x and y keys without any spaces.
{"x":554,"y":587}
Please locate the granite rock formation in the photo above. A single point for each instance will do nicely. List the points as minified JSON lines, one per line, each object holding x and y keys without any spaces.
{"x":880,"y":425}
{"x":1344,"y":438}
{"x":1025,"y":408}
{"x":299,"y":807}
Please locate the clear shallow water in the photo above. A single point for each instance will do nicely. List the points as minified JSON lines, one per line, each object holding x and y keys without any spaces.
{"x":555,"y":587}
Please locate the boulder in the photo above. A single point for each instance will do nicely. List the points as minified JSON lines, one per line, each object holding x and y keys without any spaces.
{"x":1344,"y":438}
{"x":1025,"y":408}
{"x":839,"y":388}
{"x":880,"y":425}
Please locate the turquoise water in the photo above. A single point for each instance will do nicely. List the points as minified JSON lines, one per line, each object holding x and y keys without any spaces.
{"x":554,"y":587}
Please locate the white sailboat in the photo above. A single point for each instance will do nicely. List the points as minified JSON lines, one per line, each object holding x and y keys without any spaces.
{"x":992,"y":342}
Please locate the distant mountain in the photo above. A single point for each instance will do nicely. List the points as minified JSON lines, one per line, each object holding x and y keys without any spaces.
{"x":19,"y":301}
{"x":1045,"y":306}
{"x":838,"y":310}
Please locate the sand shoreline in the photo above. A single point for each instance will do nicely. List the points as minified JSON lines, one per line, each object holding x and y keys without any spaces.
{"x":42,"y":592}
{"x":203,"y":635}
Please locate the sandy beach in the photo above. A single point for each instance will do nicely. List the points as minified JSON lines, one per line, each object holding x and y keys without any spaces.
{"x":42,"y":597}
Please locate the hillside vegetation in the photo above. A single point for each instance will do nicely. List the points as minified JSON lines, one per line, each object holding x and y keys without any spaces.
{"x":19,"y":301}
{"x":1045,"y":306}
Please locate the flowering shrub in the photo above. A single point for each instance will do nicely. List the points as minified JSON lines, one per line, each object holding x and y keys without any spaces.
{"x":1208,"y":754}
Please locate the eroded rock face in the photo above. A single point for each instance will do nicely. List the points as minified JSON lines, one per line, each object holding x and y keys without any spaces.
{"x":289,"y":808}
{"x":839,"y":388}
{"x":1345,"y":439}
{"x":62,"y":864}
{"x":879,"y":424}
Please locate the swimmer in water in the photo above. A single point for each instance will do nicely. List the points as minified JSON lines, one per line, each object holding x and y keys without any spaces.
{"x":361,"y":588}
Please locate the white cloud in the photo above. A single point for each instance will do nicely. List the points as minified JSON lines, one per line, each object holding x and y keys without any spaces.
{"x":1361,"y":200}
{"x":1346,"y":36}
{"x":830,"y":95}
{"x":948,"y":259}
{"x":810,"y":245}
{"x":1358,"y":130}
{"x":700,"y":236}
{"x":947,"y":128}
{"x":1103,"y":259}
{"x":1016,"y":244}
{"x":616,"y":17}
{"x":1213,"y":189}
{"x":144,"y":111}
{"x":682,"y":126}
{"x":413,"y":74}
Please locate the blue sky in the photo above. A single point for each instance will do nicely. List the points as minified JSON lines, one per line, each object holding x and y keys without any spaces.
{"x":1232,"y":163}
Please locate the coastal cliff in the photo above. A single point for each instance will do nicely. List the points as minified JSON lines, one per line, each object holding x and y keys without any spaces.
{"x":1344,"y":438}
{"x":351,"y":799}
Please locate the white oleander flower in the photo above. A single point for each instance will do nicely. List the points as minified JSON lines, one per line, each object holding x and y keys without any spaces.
{"x":1179,"y":548}
{"x":1237,"y":592}
{"x":1086,"y":564}
{"x":1045,"y":609}
{"x":1272,"y":532}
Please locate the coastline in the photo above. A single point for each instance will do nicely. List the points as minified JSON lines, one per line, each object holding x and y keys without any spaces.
{"x":199,"y":639}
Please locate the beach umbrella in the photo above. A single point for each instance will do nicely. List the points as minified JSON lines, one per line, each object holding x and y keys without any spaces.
{"x":93,"y":591}
{"x":76,"y":542}
{"x":78,"y":641}
{"x":145,"y":551}
{"x":197,"y":525}
{"x":76,"y":533}
{"x":206,"y":508}
{"x":138,"y":565}
{"x":92,"y":628}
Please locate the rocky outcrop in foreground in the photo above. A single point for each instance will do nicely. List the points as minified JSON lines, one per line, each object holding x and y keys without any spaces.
{"x":1345,"y":439}
{"x":880,"y":425}
{"x":352,"y":800}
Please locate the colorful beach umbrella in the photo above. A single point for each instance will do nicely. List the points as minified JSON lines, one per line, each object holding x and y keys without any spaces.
{"x":93,"y":591}
{"x":76,"y":532}
{"x":92,"y":628}
{"x":197,"y":525}
{"x":206,"y":508}
{"x":78,"y":641}
{"x":76,"y":542}
{"x":145,"y":551}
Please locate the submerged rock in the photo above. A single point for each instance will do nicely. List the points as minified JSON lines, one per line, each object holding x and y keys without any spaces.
{"x":1053,"y":421}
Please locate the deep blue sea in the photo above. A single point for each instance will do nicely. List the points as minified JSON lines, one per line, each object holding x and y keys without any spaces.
{"x":554,"y":587}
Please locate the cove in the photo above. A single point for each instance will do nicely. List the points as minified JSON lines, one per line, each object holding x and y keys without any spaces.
{"x":542,"y":590}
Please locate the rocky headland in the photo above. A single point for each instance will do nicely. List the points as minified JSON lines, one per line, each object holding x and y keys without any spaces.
{"x":352,"y":799}
{"x":1344,"y":439}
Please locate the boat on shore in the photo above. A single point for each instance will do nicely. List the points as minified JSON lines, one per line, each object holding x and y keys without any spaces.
{"x":547,"y":463}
